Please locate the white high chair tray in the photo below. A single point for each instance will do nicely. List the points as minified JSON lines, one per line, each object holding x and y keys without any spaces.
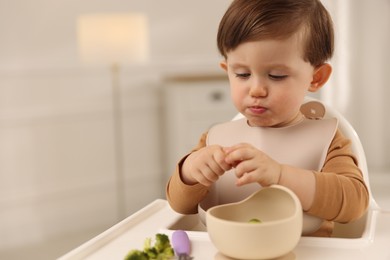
{"x":158,"y":217}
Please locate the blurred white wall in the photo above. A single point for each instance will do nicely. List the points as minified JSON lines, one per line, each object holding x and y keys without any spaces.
{"x":57,"y":170}
{"x":359,"y":87}
{"x":42,"y":34}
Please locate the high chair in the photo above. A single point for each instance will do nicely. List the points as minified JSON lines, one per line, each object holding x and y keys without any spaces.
{"x":366,"y":238}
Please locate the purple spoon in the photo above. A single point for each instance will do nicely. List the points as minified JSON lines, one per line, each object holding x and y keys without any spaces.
{"x":181,"y":244}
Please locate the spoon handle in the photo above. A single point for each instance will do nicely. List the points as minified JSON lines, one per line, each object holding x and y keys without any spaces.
{"x":181,"y":243}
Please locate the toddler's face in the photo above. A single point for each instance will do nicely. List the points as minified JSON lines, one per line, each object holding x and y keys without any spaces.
{"x":269,"y":80}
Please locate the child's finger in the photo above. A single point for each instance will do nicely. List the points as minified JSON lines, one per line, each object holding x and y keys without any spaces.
{"x":246,"y":178}
{"x":237,"y":155}
{"x":219,"y":157}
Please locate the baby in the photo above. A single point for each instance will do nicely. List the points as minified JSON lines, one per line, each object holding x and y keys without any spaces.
{"x":275,"y":52}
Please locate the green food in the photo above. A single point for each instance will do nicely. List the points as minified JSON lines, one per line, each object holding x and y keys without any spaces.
{"x":254,"y":220}
{"x":162,"y":250}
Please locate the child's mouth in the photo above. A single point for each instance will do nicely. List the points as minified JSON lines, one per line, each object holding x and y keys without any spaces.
{"x":257,"y":109}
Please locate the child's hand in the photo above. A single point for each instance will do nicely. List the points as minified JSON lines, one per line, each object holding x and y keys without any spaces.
{"x":205,"y":166}
{"x":252,"y":165}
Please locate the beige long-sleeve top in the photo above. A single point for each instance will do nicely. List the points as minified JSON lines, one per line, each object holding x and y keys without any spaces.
{"x":341,"y":194}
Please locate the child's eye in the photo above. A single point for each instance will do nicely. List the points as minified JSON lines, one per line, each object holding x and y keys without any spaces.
{"x":243,"y":75}
{"x":277,"y":77}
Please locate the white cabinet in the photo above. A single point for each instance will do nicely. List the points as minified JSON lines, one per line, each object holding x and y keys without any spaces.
{"x":193,"y":105}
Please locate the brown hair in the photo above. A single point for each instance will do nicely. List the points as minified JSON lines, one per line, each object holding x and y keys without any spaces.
{"x":252,"y":20}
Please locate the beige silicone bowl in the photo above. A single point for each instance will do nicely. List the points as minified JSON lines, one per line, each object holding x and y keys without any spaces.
{"x":280,"y":213}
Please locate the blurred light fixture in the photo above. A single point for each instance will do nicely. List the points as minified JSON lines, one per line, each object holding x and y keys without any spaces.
{"x":114,"y":40}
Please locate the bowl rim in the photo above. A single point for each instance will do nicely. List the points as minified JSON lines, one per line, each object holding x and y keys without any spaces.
{"x":298,"y":209}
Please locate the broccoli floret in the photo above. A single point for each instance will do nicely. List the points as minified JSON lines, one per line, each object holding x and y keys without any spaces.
{"x":167,"y":254}
{"x":147,"y":243}
{"x":151,"y":252}
{"x":136,"y":255}
{"x":162,"y":250}
{"x":162,"y":242}
{"x":163,"y":247}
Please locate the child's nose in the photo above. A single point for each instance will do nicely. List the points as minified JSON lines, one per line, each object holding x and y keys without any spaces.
{"x":258,"y":89}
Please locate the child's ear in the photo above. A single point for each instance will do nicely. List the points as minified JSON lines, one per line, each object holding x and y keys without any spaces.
{"x":320,"y":76}
{"x":223,"y":65}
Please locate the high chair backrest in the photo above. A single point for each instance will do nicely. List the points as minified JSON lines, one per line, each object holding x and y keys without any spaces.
{"x":347,"y":129}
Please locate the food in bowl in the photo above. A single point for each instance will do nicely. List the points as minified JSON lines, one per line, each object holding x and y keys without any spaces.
{"x":254,"y":220}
